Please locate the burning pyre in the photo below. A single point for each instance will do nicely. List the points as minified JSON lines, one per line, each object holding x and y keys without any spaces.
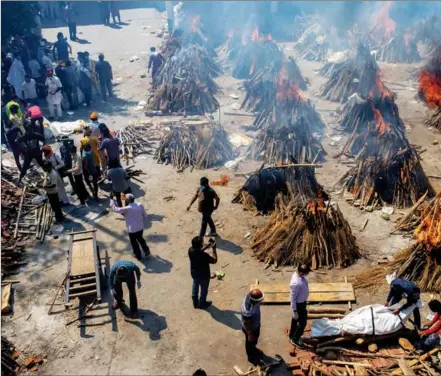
{"x":314,"y":233}
{"x":197,"y":145}
{"x":312,"y":44}
{"x":430,"y":88}
{"x":399,"y":49}
{"x":262,"y":187}
{"x":185,"y":83}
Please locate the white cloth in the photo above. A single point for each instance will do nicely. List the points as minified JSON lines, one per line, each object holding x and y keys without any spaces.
{"x":94,"y":125}
{"x":16,"y":76}
{"x":58,"y":164}
{"x":53,"y":97}
{"x":360,"y":321}
{"x":299,"y":290}
{"x":55,"y":107}
{"x":29,"y":89}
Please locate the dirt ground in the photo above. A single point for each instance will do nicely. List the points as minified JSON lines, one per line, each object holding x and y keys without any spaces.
{"x":171,"y":337}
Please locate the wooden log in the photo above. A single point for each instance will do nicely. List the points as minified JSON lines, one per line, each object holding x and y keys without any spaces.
{"x":19,"y":211}
{"x":405,"y":368}
{"x":360,"y":371}
{"x":6,"y":299}
{"x":325,"y":315}
{"x":314,"y":309}
{"x":359,"y":353}
{"x":340,"y":362}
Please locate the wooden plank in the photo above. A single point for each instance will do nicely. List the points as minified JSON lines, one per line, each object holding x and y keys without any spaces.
{"x":81,"y":280}
{"x":84,"y":293}
{"x":82,"y":287}
{"x":6,"y":299}
{"x":82,"y":255}
{"x":313,"y":287}
{"x":405,"y":368}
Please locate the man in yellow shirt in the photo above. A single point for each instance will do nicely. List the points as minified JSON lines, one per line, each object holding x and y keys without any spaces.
{"x":94,"y":145}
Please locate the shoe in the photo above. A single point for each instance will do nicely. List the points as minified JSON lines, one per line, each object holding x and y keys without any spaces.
{"x":211,"y":234}
{"x":138,"y":257}
{"x":205,"y":305}
{"x":147,"y":252}
{"x":298,"y":343}
{"x":195,"y":303}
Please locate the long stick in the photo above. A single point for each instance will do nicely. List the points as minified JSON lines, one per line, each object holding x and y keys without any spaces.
{"x":49,"y":312}
{"x":88,"y":308}
{"x":19,"y":211}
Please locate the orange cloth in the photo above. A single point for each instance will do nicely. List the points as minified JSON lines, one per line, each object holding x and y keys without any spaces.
{"x":94,"y":143}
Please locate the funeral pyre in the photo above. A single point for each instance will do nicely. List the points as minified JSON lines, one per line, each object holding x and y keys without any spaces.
{"x":262,"y":88}
{"x":314,"y":233}
{"x":428,"y":32}
{"x":358,"y":75}
{"x":312,"y":44}
{"x":136,"y":140}
{"x":256,"y":53}
{"x":263,"y":186}
{"x":430,"y":88}
{"x":421,"y":262}
{"x":185,"y":84}
{"x":388,"y":168}
{"x":198,"y":144}
{"x":399,"y":49}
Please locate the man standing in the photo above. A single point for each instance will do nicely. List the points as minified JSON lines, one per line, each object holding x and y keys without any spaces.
{"x":36,"y":115}
{"x":71,"y":87}
{"x":77,"y":172}
{"x":54,"y":96}
{"x":155,"y":62}
{"x":200,"y":270}
{"x":299,"y":295}
{"x":94,"y":125}
{"x":93,"y":143}
{"x":124,"y":271}
{"x":71,"y":17}
{"x":50,"y":186}
{"x":135,"y":215}
{"x":31,"y":142}
{"x":12,"y":135}
{"x":114,"y":9}
{"x":85,"y":79}
{"x":66,"y":156}
{"x":208,"y":202}
{"x":61,"y":48}
{"x":104,"y":70}
{"x":120,"y":181}
{"x":250,"y":310}
{"x":29,"y":90}
{"x":402,"y":288}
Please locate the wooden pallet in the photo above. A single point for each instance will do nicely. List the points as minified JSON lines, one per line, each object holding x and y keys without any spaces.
{"x":279,"y":293}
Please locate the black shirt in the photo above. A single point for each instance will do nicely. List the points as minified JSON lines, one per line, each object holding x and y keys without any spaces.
{"x":206,"y":199}
{"x":199,"y":263}
{"x":31,"y":140}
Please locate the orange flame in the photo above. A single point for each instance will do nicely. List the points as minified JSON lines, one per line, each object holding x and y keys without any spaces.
{"x":430,"y":88}
{"x":384,"y":91}
{"x":256,"y":36}
{"x":286,"y":88}
{"x":381,"y":125}
{"x":384,"y":25}
{"x":429,"y":230}
{"x":195,"y":23}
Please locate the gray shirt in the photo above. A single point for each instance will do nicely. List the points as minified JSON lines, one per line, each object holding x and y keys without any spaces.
{"x":119,"y":179}
{"x":250,"y":312}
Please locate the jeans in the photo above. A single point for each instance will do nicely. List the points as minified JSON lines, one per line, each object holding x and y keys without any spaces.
{"x":136,"y":240}
{"x":29,"y":155}
{"x":203,"y":284}
{"x":298,"y":326}
{"x":132,"y":294}
{"x":87,"y":91}
{"x":106,"y":86}
{"x":253,"y":353}
{"x":55,"y":205}
{"x":94,"y":189}
{"x":207,"y":220}
{"x":72,"y":30}
{"x":416,"y":311}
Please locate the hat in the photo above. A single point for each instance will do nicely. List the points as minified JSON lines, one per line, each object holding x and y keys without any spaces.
{"x":47,"y":149}
{"x":94,"y":116}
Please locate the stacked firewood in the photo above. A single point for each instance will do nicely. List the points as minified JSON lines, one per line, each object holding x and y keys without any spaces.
{"x":230,"y":49}
{"x":263,"y":186}
{"x":315,"y":233}
{"x":255,"y":55}
{"x":9,"y":356}
{"x":429,"y":33}
{"x":185,"y":83}
{"x":420,"y":262}
{"x":312,"y":45}
{"x":264,"y":87}
{"x":434,"y":120}
{"x":186,"y":146}
{"x":400,"y":49}
{"x":135,"y":140}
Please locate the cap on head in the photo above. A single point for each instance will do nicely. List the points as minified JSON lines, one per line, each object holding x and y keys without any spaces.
{"x":256,"y":296}
{"x":94,"y":116}
{"x":47,"y":149}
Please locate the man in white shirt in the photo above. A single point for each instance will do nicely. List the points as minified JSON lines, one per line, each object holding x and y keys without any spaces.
{"x":134,"y":215}
{"x":54,"y":96}
{"x":29,"y":90}
{"x":50,"y":186}
{"x":298,"y":297}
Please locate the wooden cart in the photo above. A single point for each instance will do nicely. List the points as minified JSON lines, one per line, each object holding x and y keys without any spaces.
{"x":85,"y":271}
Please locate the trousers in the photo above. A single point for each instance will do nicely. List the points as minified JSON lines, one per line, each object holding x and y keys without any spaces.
{"x":251,"y":349}
{"x":203,"y":285}
{"x":298,"y":326}
{"x":16,"y":152}
{"x":55,"y":106}
{"x":72,"y":30}
{"x":56,"y":206}
{"x":80,"y":189}
{"x":92,"y":186}
{"x":106,"y":86}
{"x":29,"y":155}
{"x":207,"y":220}
{"x":137,"y":240}
{"x":132,"y":294}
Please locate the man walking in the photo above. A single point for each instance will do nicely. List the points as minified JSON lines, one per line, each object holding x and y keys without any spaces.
{"x":250,"y":310}
{"x":200,"y":270}
{"x":208,"y":201}
{"x":31,"y":142}
{"x":50,"y":186}
{"x":402,"y":288}
{"x":120,"y":181}
{"x":124,"y":271}
{"x":104,"y":70}
{"x":135,"y":215}
{"x":299,"y":295}
{"x":155,"y":62}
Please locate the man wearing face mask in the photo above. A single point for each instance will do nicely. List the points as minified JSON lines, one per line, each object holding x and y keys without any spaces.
{"x":250,"y":311}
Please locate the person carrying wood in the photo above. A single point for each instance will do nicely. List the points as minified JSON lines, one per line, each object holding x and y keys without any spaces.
{"x":402,"y":288}
{"x":250,"y":310}
{"x":200,"y":270}
{"x":124,"y":271}
{"x":431,"y":335}
{"x":298,"y":296}
{"x":208,"y":202}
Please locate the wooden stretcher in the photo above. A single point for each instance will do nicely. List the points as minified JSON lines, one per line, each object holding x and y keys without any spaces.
{"x":85,"y":271}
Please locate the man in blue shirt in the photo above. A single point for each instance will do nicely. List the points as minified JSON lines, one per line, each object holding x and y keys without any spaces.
{"x":250,"y":310}
{"x":124,"y":271}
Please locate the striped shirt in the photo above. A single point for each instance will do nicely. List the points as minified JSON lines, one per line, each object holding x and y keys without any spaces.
{"x":111,"y":146}
{"x":131,"y":267}
{"x":299,"y":290}
{"x":250,"y":312}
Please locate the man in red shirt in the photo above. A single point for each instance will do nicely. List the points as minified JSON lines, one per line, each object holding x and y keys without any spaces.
{"x":430,"y":338}
{"x":36,"y":115}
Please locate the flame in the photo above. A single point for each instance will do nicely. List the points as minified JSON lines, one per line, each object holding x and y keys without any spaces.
{"x":380,"y":124}
{"x":316,"y":206}
{"x":286,"y":88}
{"x":430,"y":88}
{"x":253,"y":66}
{"x":195,"y":23}
{"x":384,"y":91}
{"x":256,"y":36}
{"x":384,"y":25}
{"x":429,"y":230}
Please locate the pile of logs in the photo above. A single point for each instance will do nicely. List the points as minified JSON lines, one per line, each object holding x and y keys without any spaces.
{"x":292,"y":181}
{"x":264,"y":88}
{"x":434,"y":120}
{"x":231,"y":47}
{"x":9,"y":356}
{"x":315,"y":233}
{"x":135,"y":140}
{"x":185,"y":83}
{"x":255,"y":55}
{"x":194,"y":146}
{"x":399,"y":49}
{"x":312,"y":45}
{"x":429,"y":32}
